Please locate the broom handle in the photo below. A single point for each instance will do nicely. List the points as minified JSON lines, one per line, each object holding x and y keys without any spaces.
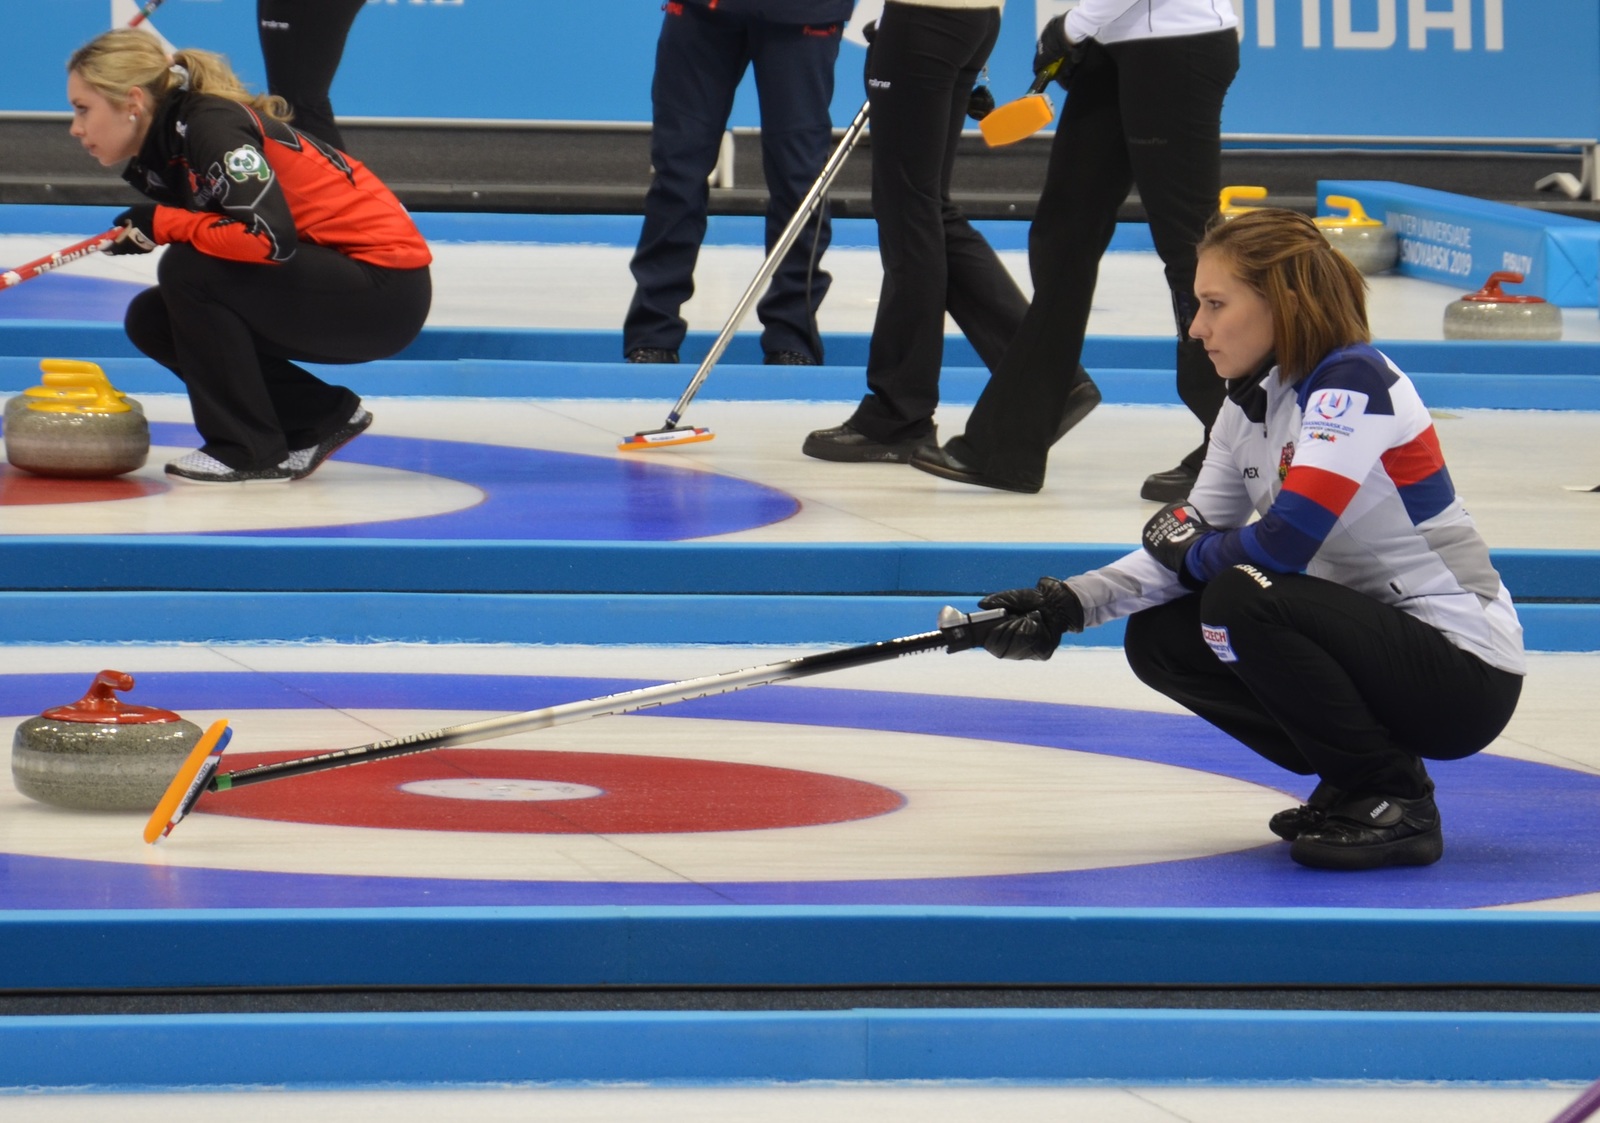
{"x":780,"y":249}
{"x":957,"y":631}
{"x":59,"y":258}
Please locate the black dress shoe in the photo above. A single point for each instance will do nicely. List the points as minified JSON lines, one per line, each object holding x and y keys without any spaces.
{"x":1174,"y":483}
{"x":941,"y":462}
{"x":789,"y":359}
{"x":845,"y":444}
{"x":1081,"y":400}
{"x":652,"y":355}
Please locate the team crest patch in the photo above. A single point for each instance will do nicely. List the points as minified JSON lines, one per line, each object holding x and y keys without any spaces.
{"x":1216,"y":637}
{"x":246,"y":163}
{"x":1285,"y":458}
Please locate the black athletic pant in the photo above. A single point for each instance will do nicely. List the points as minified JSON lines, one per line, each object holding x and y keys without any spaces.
{"x":1323,"y":680}
{"x":302,"y":42}
{"x":229,"y":329}
{"x":925,"y":62}
{"x":1146,"y":113}
{"x":701,"y":57}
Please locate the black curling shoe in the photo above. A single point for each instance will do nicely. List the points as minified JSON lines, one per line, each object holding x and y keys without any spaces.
{"x":1291,"y":824}
{"x":1368,"y":832}
{"x":846,"y":444}
{"x":652,"y":355}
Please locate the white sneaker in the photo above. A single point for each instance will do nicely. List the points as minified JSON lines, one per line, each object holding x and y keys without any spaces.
{"x":201,"y":468}
{"x":303,"y":461}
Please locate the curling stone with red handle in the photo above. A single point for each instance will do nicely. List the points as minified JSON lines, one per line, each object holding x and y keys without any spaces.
{"x":1492,"y":314}
{"x":76,"y":425}
{"x":1371,"y":246}
{"x":99,"y":753}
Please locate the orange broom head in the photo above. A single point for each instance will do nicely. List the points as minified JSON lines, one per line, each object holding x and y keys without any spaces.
{"x":665,"y":438}
{"x":1017,"y":120}
{"x":189,"y":784}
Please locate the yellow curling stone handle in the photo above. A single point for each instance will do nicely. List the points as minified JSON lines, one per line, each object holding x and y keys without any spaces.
{"x":74,"y":386}
{"x":1355,"y":214}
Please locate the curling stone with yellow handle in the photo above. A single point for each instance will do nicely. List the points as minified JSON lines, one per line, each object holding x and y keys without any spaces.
{"x":76,"y":425}
{"x":1230,"y":209}
{"x":99,"y":753}
{"x":1371,"y":246}
{"x":1490,"y":313}
{"x":65,"y":380}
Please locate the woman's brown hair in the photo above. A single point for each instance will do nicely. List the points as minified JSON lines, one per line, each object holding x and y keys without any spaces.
{"x":1318,"y":299}
{"x":114,"y":63}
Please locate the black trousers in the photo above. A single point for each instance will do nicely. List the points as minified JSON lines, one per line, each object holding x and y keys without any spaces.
{"x":1322,"y":679}
{"x":701,"y":56}
{"x":230,"y":329}
{"x":1147,"y":114}
{"x":302,"y":42}
{"x":925,"y":62}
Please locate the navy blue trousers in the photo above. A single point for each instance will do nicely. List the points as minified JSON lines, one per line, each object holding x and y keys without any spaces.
{"x":701,"y":57}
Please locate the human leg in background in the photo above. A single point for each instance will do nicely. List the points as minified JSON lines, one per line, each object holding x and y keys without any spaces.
{"x":1324,"y":680}
{"x":925,"y":62}
{"x":1171,"y":94}
{"x":1018,"y":415}
{"x":233,"y":331}
{"x":794,"y":66}
{"x":700,"y":58}
{"x":302,"y":43}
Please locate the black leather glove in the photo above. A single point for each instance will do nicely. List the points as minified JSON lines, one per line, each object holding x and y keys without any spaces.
{"x":138,"y":231}
{"x":869,"y":33}
{"x":1036,"y":620}
{"x":1054,"y":45}
{"x":1171,"y":533}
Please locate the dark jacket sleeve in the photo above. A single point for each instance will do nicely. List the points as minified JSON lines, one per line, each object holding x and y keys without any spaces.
{"x":239,"y":211}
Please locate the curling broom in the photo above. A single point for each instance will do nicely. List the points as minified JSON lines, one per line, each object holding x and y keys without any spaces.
{"x":957,"y":631}
{"x":674,"y":434}
{"x":61,"y":257}
{"x":1020,"y":119}
{"x":145,"y":12}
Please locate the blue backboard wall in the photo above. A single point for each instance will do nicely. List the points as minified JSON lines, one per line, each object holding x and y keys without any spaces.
{"x":1445,"y":68}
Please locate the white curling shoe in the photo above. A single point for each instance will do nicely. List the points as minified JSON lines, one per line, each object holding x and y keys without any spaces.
{"x":200,"y":468}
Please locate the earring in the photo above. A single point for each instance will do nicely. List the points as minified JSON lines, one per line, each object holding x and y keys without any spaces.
{"x":134,"y":117}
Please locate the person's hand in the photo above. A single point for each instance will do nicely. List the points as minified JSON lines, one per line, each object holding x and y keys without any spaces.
{"x":138,"y":231}
{"x":1035,"y":621}
{"x":1171,"y":533}
{"x":1055,"y":47}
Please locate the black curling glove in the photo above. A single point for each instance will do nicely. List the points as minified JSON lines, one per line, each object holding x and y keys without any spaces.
{"x":1037,"y":618}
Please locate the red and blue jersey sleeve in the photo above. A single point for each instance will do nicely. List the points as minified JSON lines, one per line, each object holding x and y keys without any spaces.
{"x":1351,"y":433}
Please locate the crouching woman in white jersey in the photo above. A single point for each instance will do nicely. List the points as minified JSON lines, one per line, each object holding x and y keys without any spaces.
{"x":1357,"y":626}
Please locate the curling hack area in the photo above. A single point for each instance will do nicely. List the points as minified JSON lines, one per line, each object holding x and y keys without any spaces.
{"x":941,"y":887}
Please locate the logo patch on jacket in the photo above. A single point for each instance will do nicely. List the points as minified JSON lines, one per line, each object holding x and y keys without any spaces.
{"x":246,"y":163}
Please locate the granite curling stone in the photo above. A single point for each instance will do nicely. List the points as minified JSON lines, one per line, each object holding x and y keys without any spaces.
{"x":1490,"y":313}
{"x":76,"y":425}
{"x":99,"y":753}
{"x":1230,"y":209}
{"x":1370,"y":245}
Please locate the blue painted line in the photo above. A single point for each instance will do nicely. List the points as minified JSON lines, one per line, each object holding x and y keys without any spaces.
{"x":440,"y":617}
{"x":747,"y":380}
{"x":33,"y":338}
{"x":300,"y":561}
{"x":1118,"y":1046}
{"x":760,"y":945}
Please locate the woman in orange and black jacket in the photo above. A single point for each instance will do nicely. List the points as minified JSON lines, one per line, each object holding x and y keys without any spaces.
{"x":280,"y":249}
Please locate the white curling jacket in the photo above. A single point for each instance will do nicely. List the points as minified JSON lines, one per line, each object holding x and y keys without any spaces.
{"x":1112,"y":21}
{"x":1345,"y":472}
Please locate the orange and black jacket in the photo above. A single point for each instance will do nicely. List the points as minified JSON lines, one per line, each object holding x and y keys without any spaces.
{"x":237,"y":185}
